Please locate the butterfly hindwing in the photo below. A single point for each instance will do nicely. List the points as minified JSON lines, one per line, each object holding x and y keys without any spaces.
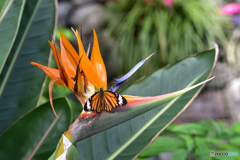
{"x":110,"y":101}
{"x":113,"y":100}
{"x":107,"y":101}
{"x":121,"y":100}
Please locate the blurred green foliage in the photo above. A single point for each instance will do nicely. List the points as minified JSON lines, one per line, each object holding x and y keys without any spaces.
{"x":196,"y":140}
{"x":139,"y":28}
{"x":66,"y":32}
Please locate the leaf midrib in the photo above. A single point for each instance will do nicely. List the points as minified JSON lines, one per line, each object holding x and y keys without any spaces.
{"x":5,"y":9}
{"x":143,"y":128}
{"x":43,"y":138}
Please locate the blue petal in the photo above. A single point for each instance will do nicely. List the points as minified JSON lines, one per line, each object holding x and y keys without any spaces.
{"x":129,"y":74}
{"x":111,"y":89}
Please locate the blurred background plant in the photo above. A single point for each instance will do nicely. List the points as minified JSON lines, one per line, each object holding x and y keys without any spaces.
{"x":195,"y":141}
{"x":232,"y":10}
{"x":175,"y":29}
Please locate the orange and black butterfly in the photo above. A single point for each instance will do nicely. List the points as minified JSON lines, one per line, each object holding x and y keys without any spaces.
{"x":106,"y":100}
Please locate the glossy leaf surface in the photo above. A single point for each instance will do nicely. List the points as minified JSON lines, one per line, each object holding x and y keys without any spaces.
{"x":126,"y":140}
{"x":20,"y":82}
{"x":36,"y":134}
{"x":9,"y":24}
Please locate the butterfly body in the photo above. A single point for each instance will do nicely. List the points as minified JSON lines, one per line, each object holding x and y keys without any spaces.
{"x":104,"y":100}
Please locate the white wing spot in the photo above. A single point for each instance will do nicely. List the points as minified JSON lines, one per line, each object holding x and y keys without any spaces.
{"x":120,"y":100}
{"x":88,"y":106}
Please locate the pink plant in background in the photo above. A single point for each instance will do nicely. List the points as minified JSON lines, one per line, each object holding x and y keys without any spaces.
{"x":168,"y":3}
{"x":230,"y":9}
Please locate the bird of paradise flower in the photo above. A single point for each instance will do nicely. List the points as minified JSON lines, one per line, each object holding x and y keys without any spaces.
{"x":81,"y":75}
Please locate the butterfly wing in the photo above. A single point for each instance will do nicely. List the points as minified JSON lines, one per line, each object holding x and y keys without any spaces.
{"x":108,"y":102}
{"x":113,"y":100}
{"x":94,"y":103}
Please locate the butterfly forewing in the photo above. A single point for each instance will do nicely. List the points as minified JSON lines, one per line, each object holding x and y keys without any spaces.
{"x":92,"y":102}
{"x":108,"y":101}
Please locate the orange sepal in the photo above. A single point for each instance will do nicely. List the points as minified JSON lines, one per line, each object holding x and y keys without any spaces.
{"x":97,"y":61}
{"x":50,"y":72}
{"x":87,"y":67}
{"x":50,"y":93}
{"x":90,"y":72}
{"x":81,"y":50}
{"x":71,"y":52}
{"x":67,"y":64}
{"x":56,"y":54}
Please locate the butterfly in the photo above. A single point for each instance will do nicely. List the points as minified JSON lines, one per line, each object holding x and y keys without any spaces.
{"x":104,"y":100}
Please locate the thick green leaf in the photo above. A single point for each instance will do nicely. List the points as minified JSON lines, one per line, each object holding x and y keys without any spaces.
{"x":221,"y":130}
{"x":20,"y":82}
{"x":209,"y":127}
{"x":9,"y":24}
{"x":90,"y":123}
{"x":126,"y":140}
{"x":134,"y":107}
{"x":189,"y":141}
{"x":191,"y":128}
{"x":36,"y":134}
{"x":202,"y":149}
